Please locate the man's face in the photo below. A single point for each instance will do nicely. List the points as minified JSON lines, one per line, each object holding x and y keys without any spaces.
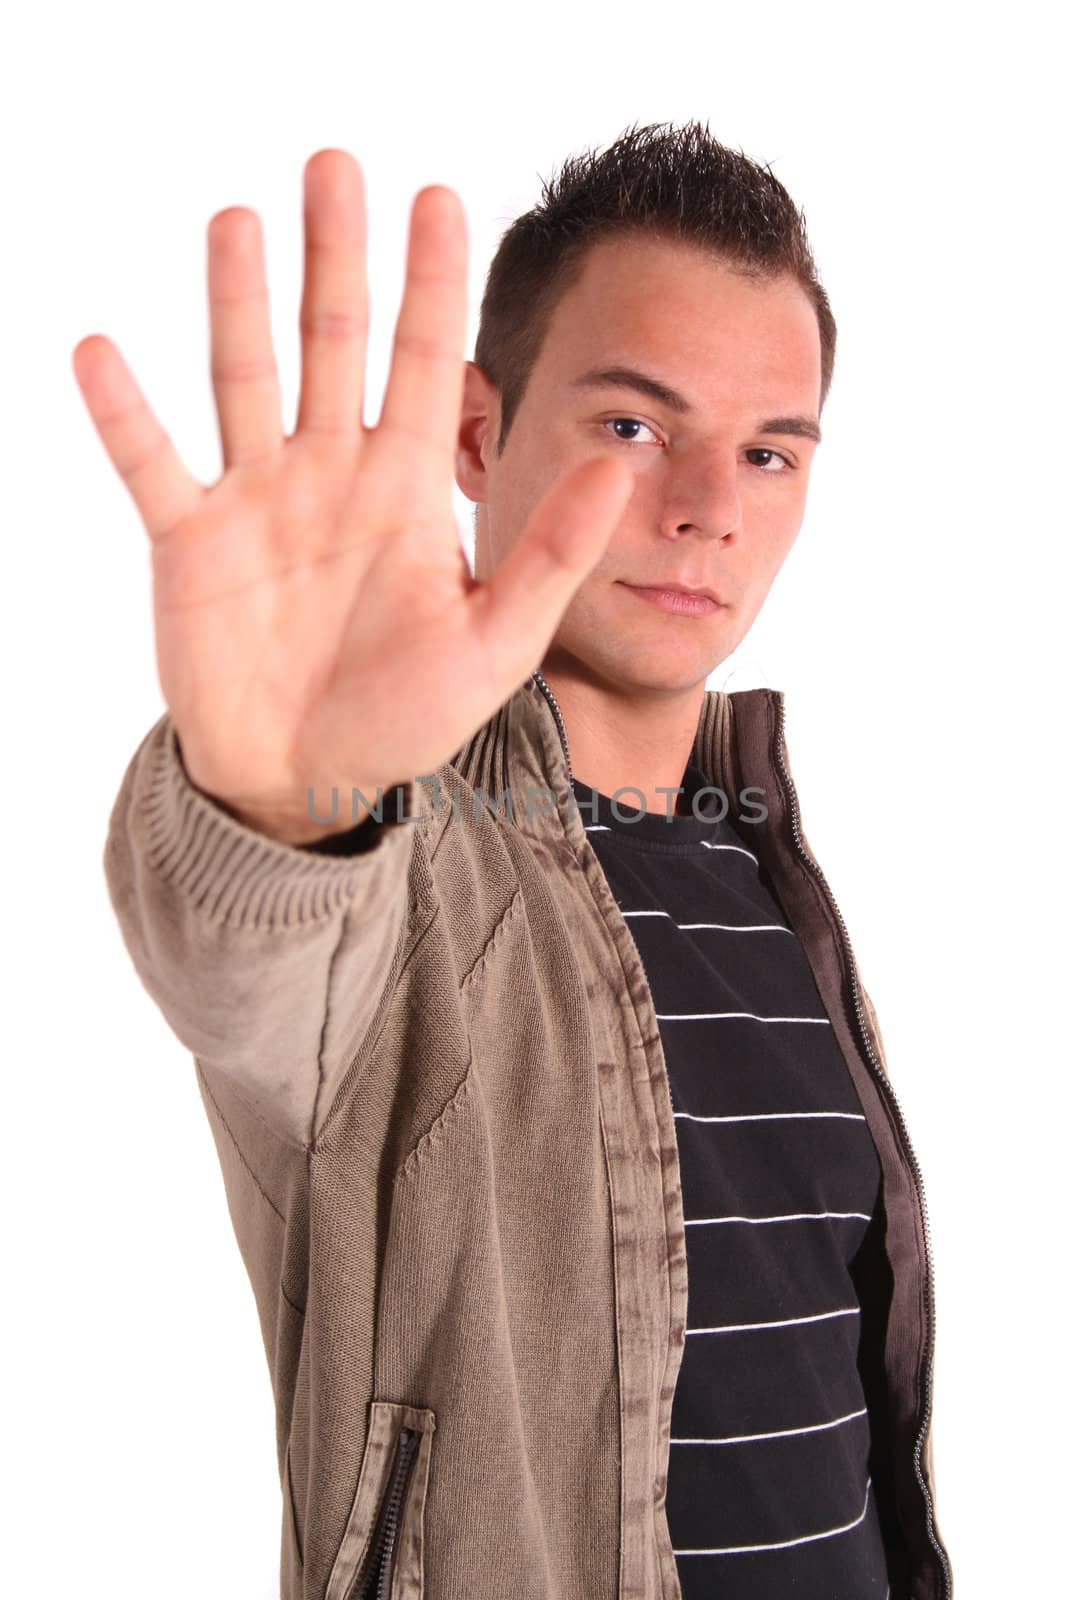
{"x":720,"y":483}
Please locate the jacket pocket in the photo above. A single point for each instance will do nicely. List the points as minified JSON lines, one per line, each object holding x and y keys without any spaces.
{"x":380,"y":1557}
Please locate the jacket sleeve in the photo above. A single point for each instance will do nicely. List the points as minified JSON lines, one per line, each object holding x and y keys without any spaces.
{"x":268,"y":961}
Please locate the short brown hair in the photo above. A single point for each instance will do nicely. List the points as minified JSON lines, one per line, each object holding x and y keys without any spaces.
{"x":674,"y":183}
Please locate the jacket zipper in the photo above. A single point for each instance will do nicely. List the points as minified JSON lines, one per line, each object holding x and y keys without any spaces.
{"x":557,"y":713}
{"x":891,"y":1099}
{"x":547,"y":692}
{"x":374,"y":1580}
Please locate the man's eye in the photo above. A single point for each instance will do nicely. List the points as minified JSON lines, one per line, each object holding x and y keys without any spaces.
{"x":760,"y":450}
{"x":615,"y":423}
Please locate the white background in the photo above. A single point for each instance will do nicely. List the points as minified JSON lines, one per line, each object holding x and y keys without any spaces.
{"x":911,"y":630}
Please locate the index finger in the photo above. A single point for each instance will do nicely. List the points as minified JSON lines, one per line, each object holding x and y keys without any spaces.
{"x":422,"y":400}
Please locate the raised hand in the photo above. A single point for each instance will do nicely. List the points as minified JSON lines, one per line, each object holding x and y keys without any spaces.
{"x":315,"y":621}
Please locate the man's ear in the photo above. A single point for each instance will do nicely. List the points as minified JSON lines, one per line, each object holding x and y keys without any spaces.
{"x":479,"y":421}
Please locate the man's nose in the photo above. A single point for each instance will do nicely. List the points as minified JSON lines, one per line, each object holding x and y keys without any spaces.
{"x":702,"y":497}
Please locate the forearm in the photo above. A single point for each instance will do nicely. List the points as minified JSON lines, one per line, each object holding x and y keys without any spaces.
{"x":267,"y":961}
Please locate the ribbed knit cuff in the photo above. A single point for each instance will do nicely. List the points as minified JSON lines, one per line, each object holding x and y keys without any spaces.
{"x":238,"y":876}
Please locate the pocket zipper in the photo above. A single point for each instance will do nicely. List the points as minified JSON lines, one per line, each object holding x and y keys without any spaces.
{"x":374,"y":1579}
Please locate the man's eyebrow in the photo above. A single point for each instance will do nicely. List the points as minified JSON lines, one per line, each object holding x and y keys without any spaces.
{"x":802,"y":427}
{"x":631,"y":378}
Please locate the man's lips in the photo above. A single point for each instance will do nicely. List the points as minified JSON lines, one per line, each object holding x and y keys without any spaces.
{"x":677,"y":598}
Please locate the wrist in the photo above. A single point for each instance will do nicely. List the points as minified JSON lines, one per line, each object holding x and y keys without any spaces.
{"x":297,"y":826}
{"x":300,"y":820}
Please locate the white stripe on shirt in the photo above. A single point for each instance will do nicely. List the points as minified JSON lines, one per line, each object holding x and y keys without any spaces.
{"x":781,"y":1433}
{"x":723,"y":927}
{"x":785,"y":1322}
{"x":775,"y":1116}
{"x":791,"y":1216}
{"x":703,"y":1016}
{"x":784,"y":1544}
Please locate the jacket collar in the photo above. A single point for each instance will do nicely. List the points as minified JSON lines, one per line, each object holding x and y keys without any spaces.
{"x":519,"y":751}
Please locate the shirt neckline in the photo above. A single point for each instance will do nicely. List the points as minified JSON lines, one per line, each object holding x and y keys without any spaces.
{"x":627,"y":821}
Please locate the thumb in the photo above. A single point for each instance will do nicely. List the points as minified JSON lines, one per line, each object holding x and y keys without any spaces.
{"x":566,"y":534}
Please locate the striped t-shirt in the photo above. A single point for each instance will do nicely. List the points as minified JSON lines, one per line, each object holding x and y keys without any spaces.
{"x":769,"y":1489}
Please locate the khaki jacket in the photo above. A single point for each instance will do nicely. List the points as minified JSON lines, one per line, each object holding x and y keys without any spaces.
{"x":434,"y":1078}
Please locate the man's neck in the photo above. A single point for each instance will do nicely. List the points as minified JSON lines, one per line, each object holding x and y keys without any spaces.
{"x":636,"y":742}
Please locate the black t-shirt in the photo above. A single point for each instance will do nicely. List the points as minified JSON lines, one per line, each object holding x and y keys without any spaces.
{"x":769,"y":1488}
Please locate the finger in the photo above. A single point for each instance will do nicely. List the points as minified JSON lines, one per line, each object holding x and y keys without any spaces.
{"x":523,"y":600}
{"x":421,"y":409}
{"x":163,"y":489}
{"x":243,"y":369}
{"x":334,"y":305}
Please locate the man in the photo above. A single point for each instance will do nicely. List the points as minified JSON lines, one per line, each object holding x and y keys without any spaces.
{"x":587,"y":1241}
